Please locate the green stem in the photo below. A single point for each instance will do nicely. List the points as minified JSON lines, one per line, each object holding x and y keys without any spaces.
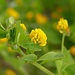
{"x":62,"y":44}
{"x":59,"y":74}
{"x":43,"y":68}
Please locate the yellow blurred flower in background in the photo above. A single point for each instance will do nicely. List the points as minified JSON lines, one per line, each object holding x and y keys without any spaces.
{"x":38,"y":37}
{"x":10,"y":72}
{"x":41,"y":19}
{"x":23,"y":26}
{"x":72,"y":50}
{"x":3,"y":40}
{"x":55,"y":15}
{"x":12,"y":12}
{"x":62,"y":26}
{"x":29,"y":15}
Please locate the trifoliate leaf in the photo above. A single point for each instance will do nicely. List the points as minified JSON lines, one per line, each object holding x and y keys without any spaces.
{"x":50,"y":56}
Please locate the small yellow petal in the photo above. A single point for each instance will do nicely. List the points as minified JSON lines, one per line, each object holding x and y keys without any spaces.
{"x":23,"y":26}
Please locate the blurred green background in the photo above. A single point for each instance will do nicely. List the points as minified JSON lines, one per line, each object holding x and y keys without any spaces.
{"x":42,"y":14}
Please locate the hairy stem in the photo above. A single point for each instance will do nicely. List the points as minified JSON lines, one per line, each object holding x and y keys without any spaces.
{"x":43,"y":68}
{"x":62,"y":44}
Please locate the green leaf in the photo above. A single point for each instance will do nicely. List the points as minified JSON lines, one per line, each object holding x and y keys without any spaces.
{"x":50,"y":56}
{"x":11,"y":20}
{"x":67,"y":59}
{"x":28,"y":45}
{"x":12,"y":34}
{"x":2,"y":33}
{"x":59,"y":65}
{"x":1,"y":27}
{"x":30,"y":58}
{"x":70,"y":70}
{"x":20,"y":33}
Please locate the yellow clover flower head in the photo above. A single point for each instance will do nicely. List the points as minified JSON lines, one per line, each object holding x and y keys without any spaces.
{"x":38,"y":37}
{"x":12,"y":12}
{"x":10,"y":72}
{"x":3,"y":40}
{"x":62,"y":26}
{"x":23,"y":26}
